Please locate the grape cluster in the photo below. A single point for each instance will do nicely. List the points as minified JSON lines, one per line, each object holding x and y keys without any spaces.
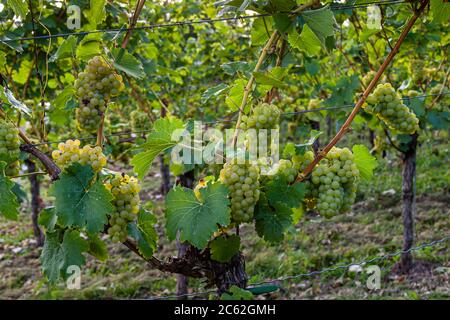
{"x":125,"y":190}
{"x":139,"y":121}
{"x":333,"y":182}
{"x":387,"y":105}
{"x":264,"y":116}
{"x":94,"y":87}
{"x":9,"y":147}
{"x":442,"y":101}
{"x":70,"y":152}
{"x":243,"y":184}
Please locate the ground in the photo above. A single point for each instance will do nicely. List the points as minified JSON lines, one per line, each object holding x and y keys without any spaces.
{"x":373,"y":228}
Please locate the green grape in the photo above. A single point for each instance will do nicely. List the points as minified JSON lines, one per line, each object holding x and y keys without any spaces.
{"x":264,"y":116}
{"x":70,"y":152}
{"x":125,"y":190}
{"x":94,"y":87}
{"x":332,"y":186}
{"x":243,"y":184}
{"x":442,"y":100}
{"x":139,"y":121}
{"x":386,"y":104}
{"x":9,"y":147}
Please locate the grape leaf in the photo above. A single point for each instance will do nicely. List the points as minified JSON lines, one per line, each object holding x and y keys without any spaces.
{"x":158,"y":140}
{"x":81,"y":202}
{"x":271,"y":223}
{"x":213,"y":92}
{"x":439,"y":120}
{"x":261,"y":30}
{"x":440,"y":10}
{"x":16,"y":103}
{"x":321,"y":22}
{"x":56,"y":257}
{"x":196,"y":220}
{"x":236,"y":94}
{"x":144,"y":233}
{"x":307,"y":41}
{"x":279,"y":191}
{"x":97,"y":248}
{"x":66,"y":49}
{"x":224,"y":248}
{"x":236,"y":293}
{"x":96,"y":13}
{"x":9,"y":206}
{"x":365,"y":162}
{"x":47,"y":218}
{"x":126,"y":62}
{"x":19,"y":7}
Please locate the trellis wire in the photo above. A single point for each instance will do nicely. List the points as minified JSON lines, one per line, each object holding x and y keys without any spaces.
{"x":333,"y":6}
{"x":124,"y":133}
{"x":317,"y":272}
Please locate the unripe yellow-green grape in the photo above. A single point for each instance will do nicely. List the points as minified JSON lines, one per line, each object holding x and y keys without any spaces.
{"x":125,"y":190}
{"x":9,"y":147}
{"x":94,"y":87}
{"x":243,"y":185}
{"x":386,"y":104}
{"x":263,"y":116}
{"x":139,"y":121}
{"x":70,"y":152}
{"x":333,"y":182}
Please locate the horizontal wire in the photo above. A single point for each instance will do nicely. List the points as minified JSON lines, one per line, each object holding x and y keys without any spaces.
{"x":333,"y":6}
{"x":313,"y":273}
{"x":123,"y":133}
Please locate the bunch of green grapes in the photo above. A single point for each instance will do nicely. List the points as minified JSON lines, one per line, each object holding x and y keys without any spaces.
{"x":243,"y":184}
{"x":442,"y":100}
{"x":387,"y":105}
{"x":264,"y":116}
{"x":9,"y":147}
{"x":333,"y":182}
{"x":139,"y":121}
{"x":125,"y":190}
{"x":70,"y":152}
{"x":94,"y":87}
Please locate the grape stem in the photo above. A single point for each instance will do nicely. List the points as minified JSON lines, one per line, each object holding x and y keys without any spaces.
{"x":366,"y":93}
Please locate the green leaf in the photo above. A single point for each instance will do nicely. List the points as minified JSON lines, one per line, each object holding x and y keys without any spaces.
{"x":64,"y":97}
{"x":96,"y":13}
{"x":273,"y":77}
{"x":159,"y":140}
{"x":213,"y":92}
{"x":225,"y":247}
{"x":97,"y":248}
{"x":321,"y":22}
{"x":307,"y":41}
{"x":283,"y":23}
{"x":48,"y":218}
{"x":16,"y":103}
{"x":279,"y":191}
{"x":89,"y":47}
{"x":9,"y":206}
{"x":263,"y":289}
{"x":66,"y":49}
{"x":236,"y":94}
{"x":231,"y":68}
{"x":236,"y":293}
{"x":80,"y":201}
{"x":197,"y":221}
{"x":440,"y":11}
{"x":439,"y":120}
{"x":261,"y":30}
{"x":19,"y":7}
{"x":21,"y":76}
{"x":126,"y":62}
{"x":365,"y":162}
{"x":272,"y":222}
{"x":144,"y":233}
{"x":56,"y":257}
